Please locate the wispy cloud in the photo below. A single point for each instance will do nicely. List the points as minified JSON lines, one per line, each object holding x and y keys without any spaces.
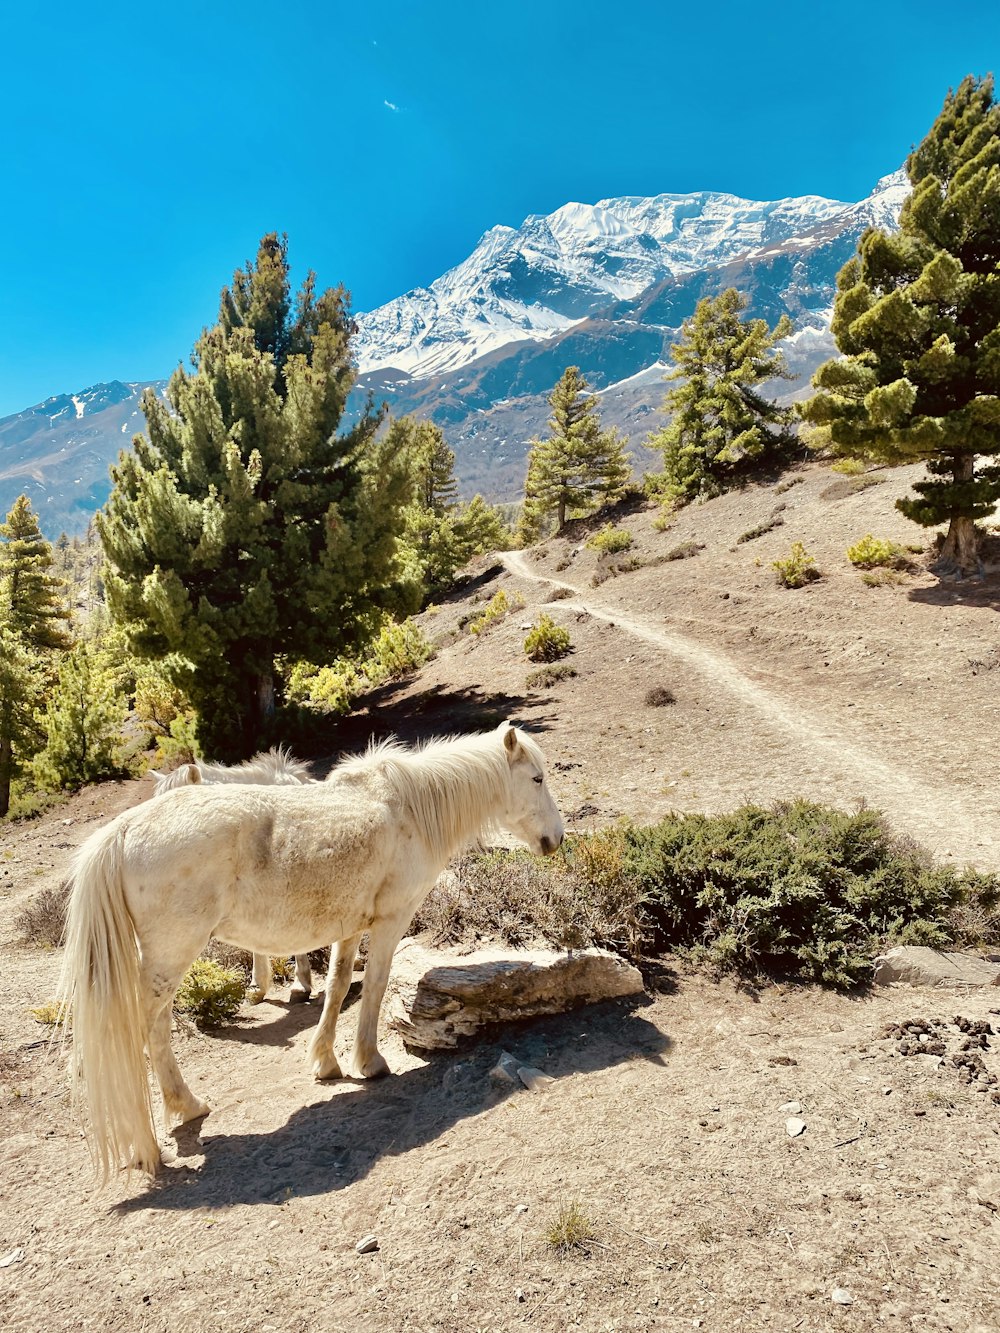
{"x":391,"y":105}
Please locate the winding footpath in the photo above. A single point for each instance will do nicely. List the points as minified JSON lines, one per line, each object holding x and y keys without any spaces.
{"x":934,"y":816}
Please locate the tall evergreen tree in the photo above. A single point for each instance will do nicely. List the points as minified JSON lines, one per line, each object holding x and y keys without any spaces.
{"x":917,"y":320}
{"x":33,"y":619}
{"x":442,"y":533}
{"x":245,"y":526}
{"x":84,"y":717}
{"x":35,"y":598}
{"x":578,"y":465}
{"x":721,"y":427}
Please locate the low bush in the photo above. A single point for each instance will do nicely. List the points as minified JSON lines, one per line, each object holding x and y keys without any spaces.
{"x":609,"y":540}
{"x":799,"y":890}
{"x":549,"y":675}
{"x":43,"y":920}
{"x":496,"y":609}
{"x":775,"y":521}
{"x":659,"y":696}
{"x":784,"y":486}
{"x":571,"y":1229}
{"x":547,"y":641}
{"x":845,"y":486}
{"x":871,"y":552}
{"x":848,"y":467}
{"x":798,"y":569}
{"x":210,"y":993}
{"x":685,"y":551}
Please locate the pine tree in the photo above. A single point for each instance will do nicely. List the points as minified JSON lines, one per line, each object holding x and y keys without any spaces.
{"x":578,"y":466}
{"x":34,"y":597}
{"x":721,"y":427}
{"x":917,"y":320}
{"x":22,"y":680}
{"x":83,"y":721}
{"x":33,"y":617}
{"x":441,"y":534}
{"x":245,"y":527}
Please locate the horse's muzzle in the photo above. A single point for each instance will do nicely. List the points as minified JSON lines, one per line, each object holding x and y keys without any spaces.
{"x":550,"y":845}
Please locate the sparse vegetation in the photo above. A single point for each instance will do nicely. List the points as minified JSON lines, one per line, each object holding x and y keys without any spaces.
{"x":685,"y":551}
{"x":210,"y":993}
{"x":43,"y":920}
{"x":871,"y":551}
{"x":841,"y":489}
{"x":609,"y":540}
{"x":547,"y":641}
{"x":48,"y":1013}
{"x":549,"y":675}
{"x":787,"y":485}
{"x":659,"y":696}
{"x":797,"y":569}
{"x":775,"y":521}
{"x":500,"y":605}
{"x":571,"y":1229}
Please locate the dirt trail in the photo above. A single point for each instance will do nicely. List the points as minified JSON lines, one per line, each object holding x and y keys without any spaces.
{"x":927,"y":813}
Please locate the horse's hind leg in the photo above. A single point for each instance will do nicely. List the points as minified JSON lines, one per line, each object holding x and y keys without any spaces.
{"x":382,"y":941}
{"x":159,"y":987}
{"x":261,"y":983}
{"x":302,"y":985}
{"x":338,"y":981}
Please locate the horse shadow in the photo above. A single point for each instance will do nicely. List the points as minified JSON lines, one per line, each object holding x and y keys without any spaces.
{"x":328,"y":1145}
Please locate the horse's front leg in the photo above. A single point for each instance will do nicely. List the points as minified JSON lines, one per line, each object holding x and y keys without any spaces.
{"x":338,"y":981}
{"x":382,"y":940}
{"x":302,"y":985}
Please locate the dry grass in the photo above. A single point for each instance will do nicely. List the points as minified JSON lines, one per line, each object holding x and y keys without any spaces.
{"x":572,"y":1228}
{"x":43,"y":921}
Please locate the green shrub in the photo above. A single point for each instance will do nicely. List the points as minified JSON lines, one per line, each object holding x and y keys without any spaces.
{"x":209,"y":993}
{"x":870,"y":552}
{"x":547,"y":641}
{"x":399,"y":647}
{"x":496,"y":609}
{"x":801,"y":889}
{"x":609,"y":540}
{"x":798,"y":569}
{"x":549,"y":675}
{"x":848,"y":467}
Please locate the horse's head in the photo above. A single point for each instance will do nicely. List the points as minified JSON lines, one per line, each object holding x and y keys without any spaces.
{"x":184,"y":776}
{"x":531,"y":813}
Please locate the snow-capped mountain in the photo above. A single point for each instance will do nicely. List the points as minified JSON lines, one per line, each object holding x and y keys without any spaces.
{"x":602,"y":286}
{"x":554,"y":271}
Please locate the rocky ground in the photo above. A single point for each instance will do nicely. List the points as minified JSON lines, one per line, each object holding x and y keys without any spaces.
{"x":666,"y":1132}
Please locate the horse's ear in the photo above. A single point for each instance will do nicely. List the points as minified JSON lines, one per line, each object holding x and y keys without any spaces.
{"x":510,"y":740}
{"x":152,"y":773}
{"x":193,"y":774}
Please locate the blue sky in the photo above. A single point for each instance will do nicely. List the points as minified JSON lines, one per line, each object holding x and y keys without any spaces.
{"x":147,"y":147}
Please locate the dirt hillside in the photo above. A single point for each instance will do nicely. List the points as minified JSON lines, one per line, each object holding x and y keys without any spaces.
{"x":666,"y":1126}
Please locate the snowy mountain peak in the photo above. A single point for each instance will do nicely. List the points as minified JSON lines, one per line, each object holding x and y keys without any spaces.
{"x":557,"y":269}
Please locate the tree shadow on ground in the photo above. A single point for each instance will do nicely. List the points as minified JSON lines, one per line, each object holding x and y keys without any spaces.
{"x":950,"y":591}
{"x":330,"y":1144}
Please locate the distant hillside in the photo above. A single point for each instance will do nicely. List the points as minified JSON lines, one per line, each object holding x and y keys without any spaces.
{"x":604,"y":287}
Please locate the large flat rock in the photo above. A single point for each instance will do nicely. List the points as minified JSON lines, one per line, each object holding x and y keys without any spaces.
{"x":918,"y":965}
{"x":438,"y":996}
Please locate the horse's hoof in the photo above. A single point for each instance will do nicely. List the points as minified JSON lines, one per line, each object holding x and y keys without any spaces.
{"x":298,"y":994}
{"x":255,"y":994}
{"x":194,"y":1110}
{"x":325,"y":1067}
{"x":376,"y":1067}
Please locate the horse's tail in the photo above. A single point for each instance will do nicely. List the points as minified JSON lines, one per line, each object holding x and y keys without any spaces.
{"x":101,"y":1003}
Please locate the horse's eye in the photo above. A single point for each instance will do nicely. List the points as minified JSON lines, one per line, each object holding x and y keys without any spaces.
{"x":538,"y":780}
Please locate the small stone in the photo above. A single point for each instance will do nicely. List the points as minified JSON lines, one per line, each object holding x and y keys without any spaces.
{"x":504,"y":1072}
{"x":790,"y":1108}
{"x":16,"y":1255}
{"x":367,"y":1244}
{"x":521,"y":1208}
{"x":535,"y":1080}
{"x":841,"y":1296}
{"x":518,"y":1295}
{"x":794,"y":1127}
{"x":886,"y":1091}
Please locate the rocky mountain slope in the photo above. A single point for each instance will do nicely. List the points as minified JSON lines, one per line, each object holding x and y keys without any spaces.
{"x":603,"y":286}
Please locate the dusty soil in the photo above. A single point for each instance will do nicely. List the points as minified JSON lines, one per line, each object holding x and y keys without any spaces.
{"x":666,"y":1125}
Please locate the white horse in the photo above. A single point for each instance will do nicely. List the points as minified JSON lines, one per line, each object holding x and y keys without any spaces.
{"x":275,"y":870}
{"x":277,"y":768}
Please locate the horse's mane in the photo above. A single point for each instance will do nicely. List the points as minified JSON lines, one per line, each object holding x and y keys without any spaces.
{"x":450,"y":785}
